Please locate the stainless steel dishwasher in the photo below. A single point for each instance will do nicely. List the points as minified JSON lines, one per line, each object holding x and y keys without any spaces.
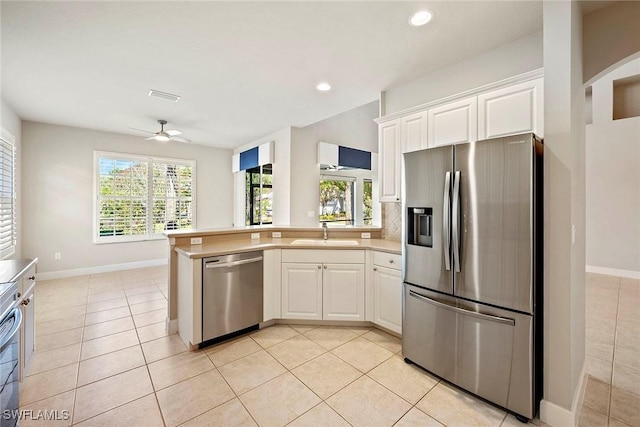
{"x":231,"y":293}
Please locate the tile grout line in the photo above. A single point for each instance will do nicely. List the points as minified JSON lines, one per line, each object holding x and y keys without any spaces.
{"x":613,"y":359}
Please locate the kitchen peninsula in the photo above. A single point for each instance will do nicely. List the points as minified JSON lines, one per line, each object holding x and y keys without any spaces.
{"x":376,"y":261}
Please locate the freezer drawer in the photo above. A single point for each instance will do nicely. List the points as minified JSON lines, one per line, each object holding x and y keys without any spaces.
{"x":485,"y":350}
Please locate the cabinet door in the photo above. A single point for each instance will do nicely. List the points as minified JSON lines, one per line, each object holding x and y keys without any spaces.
{"x":28,"y":331}
{"x":389,"y":173}
{"x":301,"y":291}
{"x":414,"y":132}
{"x":453,"y":123}
{"x":387,"y":298}
{"x":343,"y":291}
{"x":512,"y":110}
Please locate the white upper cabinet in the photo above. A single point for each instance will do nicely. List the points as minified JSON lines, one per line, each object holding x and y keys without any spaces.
{"x":453,"y":123}
{"x":389,"y":170}
{"x":512,"y":110}
{"x":414,"y":132}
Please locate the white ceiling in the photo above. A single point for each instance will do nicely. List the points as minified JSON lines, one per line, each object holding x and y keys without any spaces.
{"x":243,"y":69}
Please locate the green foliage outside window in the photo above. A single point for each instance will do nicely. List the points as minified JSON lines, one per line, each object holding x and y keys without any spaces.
{"x":125,"y":197}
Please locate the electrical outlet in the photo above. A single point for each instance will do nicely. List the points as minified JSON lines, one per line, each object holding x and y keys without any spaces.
{"x":365,"y":235}
{"x":255,"y":236}
{"x":276,"y":234}
{"x":57,"y":255}
{"x":196,"y":240}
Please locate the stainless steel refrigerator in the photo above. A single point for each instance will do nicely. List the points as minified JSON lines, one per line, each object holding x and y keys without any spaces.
{"x":473,"y":267}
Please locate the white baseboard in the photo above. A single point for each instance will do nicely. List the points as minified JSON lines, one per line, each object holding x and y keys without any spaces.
{"x":60,"y":274}
{"x":631,"y":274}
{"x":557,"y":416}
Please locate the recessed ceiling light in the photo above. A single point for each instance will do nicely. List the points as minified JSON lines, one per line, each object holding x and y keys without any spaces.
{"x":323,"y":87}
{"x":421,"y":18}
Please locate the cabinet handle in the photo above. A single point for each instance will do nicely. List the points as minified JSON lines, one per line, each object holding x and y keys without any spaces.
{"x":325,"y":267}
{"x":375,"y":269}
{"x":18,"y":295}
{"x":319,"y":267}
{"x":26,"y":301}
{"x":32,"y":278}
{"x":390,"y":261}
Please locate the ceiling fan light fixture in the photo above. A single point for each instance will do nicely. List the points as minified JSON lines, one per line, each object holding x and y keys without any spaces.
{"x":164,"y":95}
{"x":162,"y":137}
{"x":421,"y":18}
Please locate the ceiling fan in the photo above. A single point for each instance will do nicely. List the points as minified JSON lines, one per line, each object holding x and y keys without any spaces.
{"x":164,"y":135}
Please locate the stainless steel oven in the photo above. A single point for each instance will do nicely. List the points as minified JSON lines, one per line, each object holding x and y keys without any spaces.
{"x":10,"y":322}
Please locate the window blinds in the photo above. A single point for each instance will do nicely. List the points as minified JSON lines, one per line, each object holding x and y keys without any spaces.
{"x":7,"y":197}
{"x":138,"y":198}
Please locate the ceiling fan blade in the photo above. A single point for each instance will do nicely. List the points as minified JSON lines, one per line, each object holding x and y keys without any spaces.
{"x":142,"y":130}
{"x":151,"y":137}
{"x":180,"y":139}
{"x":173,"y":132}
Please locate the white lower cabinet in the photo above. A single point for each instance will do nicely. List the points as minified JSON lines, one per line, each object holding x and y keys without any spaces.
{"x":28,"y":338}
{"x":302,"y":291}
{"x":323,"y":284}
{"x":343,"y":292}
{"x":387,"y":295}
{"x":322,"y":291}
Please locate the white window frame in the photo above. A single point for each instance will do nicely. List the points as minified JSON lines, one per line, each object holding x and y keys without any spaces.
{"x":9,"y":140}
{"x":150,"y":235}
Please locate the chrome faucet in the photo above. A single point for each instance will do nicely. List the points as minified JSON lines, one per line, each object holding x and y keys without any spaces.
{"x":325,"y":231}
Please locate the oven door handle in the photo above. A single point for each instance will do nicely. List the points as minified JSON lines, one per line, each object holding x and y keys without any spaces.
{"x":16,"y":327}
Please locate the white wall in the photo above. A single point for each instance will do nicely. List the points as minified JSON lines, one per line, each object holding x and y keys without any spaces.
{"x":58,"y":194}
{"x":611,"y":34}
{"x":281,"y":170}
{"x":11,"y":122}
{"x":508,"y":60}
{"x":354,"y":128}
{"x":613,"y":177}
{"x":564,"y":263}
{"x":296,"y":172}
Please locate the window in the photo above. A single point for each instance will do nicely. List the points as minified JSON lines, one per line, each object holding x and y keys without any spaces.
{"x":367,"y":201}
{"x":7,"y":195}
{"x":336,"y":199}
{"x":259,"y":195}
{"x":140,"y":197}
{"x":346,"y":200}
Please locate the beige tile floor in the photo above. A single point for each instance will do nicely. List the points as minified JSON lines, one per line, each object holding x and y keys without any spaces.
{"x":612,"y":393}
{"x":104,"y":356}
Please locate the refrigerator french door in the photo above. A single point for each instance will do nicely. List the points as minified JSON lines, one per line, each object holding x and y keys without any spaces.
{"x":472,"y":267}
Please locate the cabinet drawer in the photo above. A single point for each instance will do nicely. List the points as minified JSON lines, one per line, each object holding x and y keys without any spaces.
{"x":28,"y":279}
{"x":323,"y":256}
{"x":384,"y":259}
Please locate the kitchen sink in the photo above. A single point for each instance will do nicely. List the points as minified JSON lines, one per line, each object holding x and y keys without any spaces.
{"x":320,"y":242}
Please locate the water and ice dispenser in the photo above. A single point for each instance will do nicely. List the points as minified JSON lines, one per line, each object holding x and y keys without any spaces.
{"x":420,"y":227}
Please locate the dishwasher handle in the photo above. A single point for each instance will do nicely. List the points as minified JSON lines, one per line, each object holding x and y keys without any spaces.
{"x":215,"y":264}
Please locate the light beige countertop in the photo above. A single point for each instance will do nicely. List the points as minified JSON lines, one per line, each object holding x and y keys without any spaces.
{"x":247,"y":245}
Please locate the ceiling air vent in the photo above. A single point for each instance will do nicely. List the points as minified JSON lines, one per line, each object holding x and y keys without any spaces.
{"x":164,"y":95}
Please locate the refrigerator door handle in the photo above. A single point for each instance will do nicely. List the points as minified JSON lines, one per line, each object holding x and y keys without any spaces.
{"x":483,"y":316}
{"x":446,"y":224}
{"x":456,"y":221}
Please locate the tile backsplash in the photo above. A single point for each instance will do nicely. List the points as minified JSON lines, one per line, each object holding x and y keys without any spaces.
{"x":392,"y":221}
